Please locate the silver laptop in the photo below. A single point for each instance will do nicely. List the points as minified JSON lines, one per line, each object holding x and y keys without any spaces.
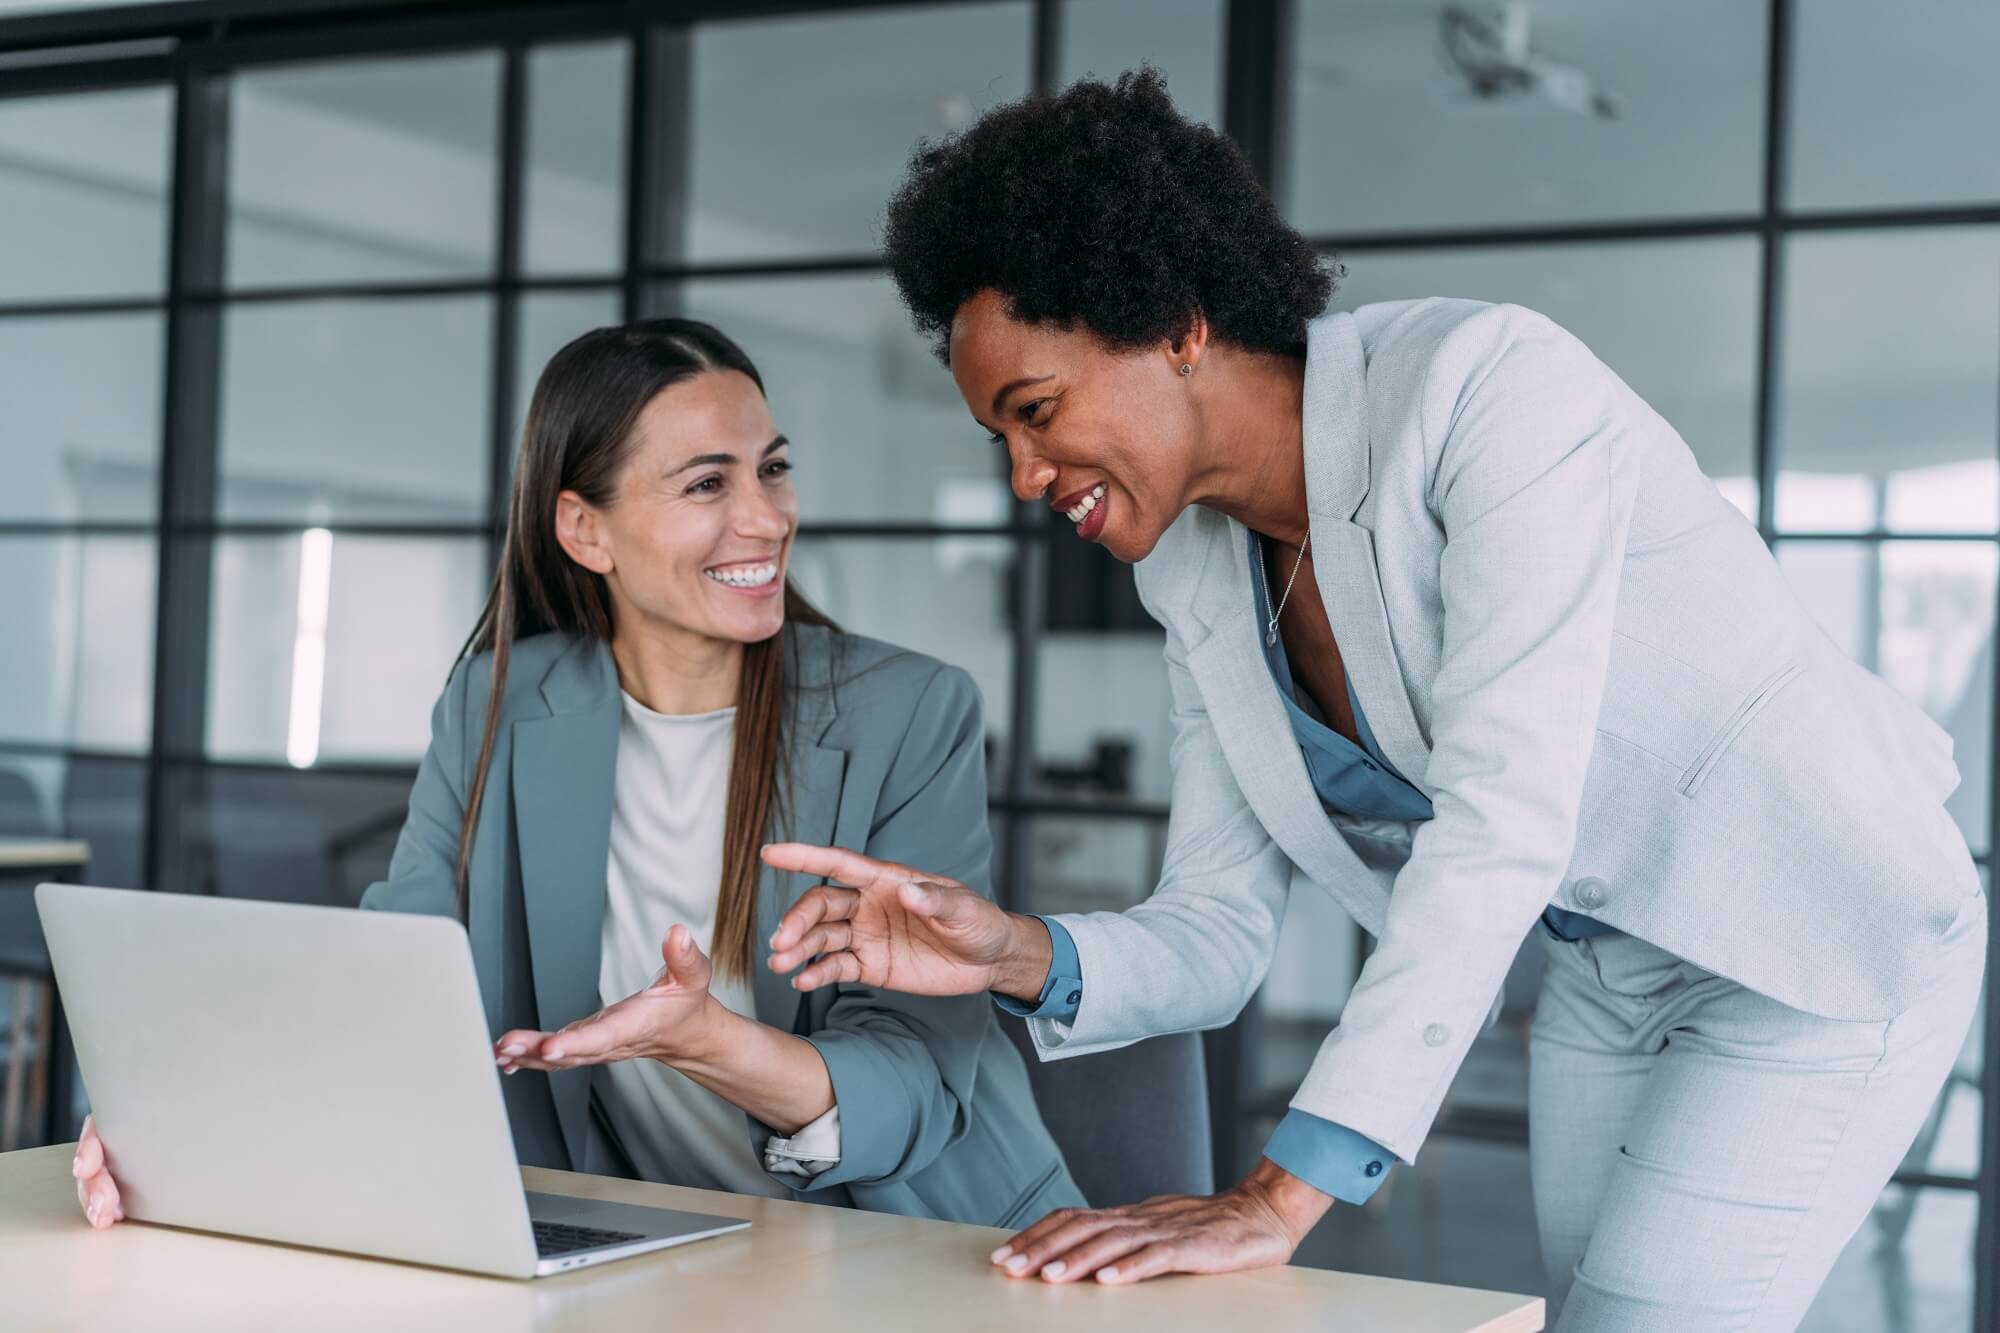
{"x":316,"y":1076}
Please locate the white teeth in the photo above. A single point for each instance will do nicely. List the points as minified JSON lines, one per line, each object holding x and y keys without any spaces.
{"x":744,"y":576}
{"x":1086,"y":504}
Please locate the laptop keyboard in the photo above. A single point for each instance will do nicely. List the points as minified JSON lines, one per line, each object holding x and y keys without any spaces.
{"x":553,"y":1238}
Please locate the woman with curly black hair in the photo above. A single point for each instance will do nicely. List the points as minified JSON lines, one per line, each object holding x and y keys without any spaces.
{"x":1457,"y":632}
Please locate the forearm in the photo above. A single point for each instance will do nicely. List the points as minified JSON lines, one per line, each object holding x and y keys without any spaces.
{"x":772,"y":1076}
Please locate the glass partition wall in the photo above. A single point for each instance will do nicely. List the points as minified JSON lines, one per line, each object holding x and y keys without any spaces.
{"x":274,"y":293}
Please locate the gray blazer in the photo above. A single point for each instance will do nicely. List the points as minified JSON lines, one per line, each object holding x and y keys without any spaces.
{"x":1583,"y":655}
{"x":887,"y":756}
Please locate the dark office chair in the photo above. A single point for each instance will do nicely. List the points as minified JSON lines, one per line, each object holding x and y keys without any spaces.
{"x":1132,"y":1122}
{"x":25,"y":974}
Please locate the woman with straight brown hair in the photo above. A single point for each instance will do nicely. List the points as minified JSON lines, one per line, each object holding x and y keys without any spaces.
{"x":644,"y":702}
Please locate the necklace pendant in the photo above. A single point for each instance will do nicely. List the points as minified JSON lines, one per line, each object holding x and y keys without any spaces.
{"x":1271,"y":634}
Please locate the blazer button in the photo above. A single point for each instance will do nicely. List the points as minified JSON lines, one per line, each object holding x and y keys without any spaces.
{"x":1437,"y":1034}
{"x":1589,"y":892}
{"x":1372,"y":1170}
{"x":1075,"y":997}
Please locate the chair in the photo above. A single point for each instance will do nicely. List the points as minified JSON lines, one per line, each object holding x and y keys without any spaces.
{"x":1132,"y":1122}
{"x":24,"y":966}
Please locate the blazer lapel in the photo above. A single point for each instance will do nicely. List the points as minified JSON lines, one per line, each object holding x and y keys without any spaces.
{"x":1248,"y":717}
{"x":1350,"y":585}
{"x":564,"y":768}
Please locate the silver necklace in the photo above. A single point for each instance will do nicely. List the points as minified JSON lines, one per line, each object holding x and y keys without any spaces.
{"x":1271,"y":629}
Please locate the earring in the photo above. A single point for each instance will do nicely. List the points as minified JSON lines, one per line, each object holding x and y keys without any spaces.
{"x":1186,"y":369}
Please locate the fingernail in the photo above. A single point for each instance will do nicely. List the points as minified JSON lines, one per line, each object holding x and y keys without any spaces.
{"x":516,"y":1049}
{"x":1107,"y":1275}
{"x":1018,"y":1264}
{"x":90,"y":1212}
{"x":1056,"y":1269}
{"x":1001,"y":1253}
{"x":553,"y":1053}
{"x":76,"y":1166}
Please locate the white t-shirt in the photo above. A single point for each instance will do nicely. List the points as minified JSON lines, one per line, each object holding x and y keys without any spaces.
{"x":665,"y":870}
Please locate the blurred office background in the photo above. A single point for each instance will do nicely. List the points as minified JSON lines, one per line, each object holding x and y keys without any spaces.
{"x":276,"y":279}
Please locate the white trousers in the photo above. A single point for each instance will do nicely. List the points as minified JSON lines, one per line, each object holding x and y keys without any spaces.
{"x":1701,"y":1153}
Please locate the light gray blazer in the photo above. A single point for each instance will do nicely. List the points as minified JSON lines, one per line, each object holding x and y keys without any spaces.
{"x":1585,"y":657}
{"x":888,"y":757}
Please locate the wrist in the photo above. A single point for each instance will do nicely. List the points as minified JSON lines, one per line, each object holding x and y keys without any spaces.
{"x":1023,"y":968}
{"x":1297,"y":1206}
{"x":700,"y":1038}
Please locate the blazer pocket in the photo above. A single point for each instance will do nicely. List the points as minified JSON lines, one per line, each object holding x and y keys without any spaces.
{"x":1718,"y":745}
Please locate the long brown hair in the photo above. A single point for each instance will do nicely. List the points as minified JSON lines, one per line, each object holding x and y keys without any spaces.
{"x":578,"y":436}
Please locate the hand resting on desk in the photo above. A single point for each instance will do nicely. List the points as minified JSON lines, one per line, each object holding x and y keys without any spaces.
{"x":96,"y":1191}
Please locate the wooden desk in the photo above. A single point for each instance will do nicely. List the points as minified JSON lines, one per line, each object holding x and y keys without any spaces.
{"x":799,"y":1267}
{"x":23,"y":863}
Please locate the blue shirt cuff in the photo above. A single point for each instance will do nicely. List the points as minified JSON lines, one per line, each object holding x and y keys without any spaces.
{"x":1062,"y":993}
{"x":1331,"y":1158}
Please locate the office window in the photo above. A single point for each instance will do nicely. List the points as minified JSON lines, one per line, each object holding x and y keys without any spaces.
{"x":1084,"y":863}
{"x":945,"y":597}
{"x":1889,"y":382}
{"x":326,"y":646}
{"x":1424,"y":118}
{"x":548,"y":321}
{"x":1104,"y":721}
{"x":76,"y":654}
{"x":1920,"y":615}
{"x":80,"y":417}
{"x":363,"y":170}
{"x":877,"y":426}
{"x":98,"y":799}
{"x":1183,"y":39}
{"x":319,"y":838}
{"x":1893,"y":107}
{"x":575,"y":197}
{"x":84,"y":180}
{"x":802,"y":127}
{"x":1677,"y":320}
{"x":356,"y":410}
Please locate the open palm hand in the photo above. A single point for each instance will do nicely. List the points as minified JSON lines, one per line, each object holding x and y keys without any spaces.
{"x":654,"y":1023}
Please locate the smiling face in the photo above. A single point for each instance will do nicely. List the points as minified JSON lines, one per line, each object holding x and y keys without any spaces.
{"x":1109,"y":438}
{"x":696,"y":542}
